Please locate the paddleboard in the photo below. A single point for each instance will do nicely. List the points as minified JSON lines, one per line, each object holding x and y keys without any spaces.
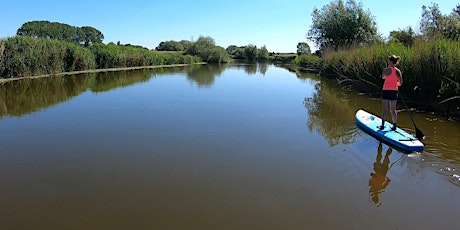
{"x":397,"y":138}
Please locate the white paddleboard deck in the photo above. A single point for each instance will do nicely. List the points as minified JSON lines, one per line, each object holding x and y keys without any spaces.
{"x":398,"y":138}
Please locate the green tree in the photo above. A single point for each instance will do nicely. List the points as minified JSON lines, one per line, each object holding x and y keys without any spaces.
{"x":303,"y":48}
{"x":250,"y":52}
{"x":170,"y":46}
{"x":235,"y":51}
{"x":262,"y":53}
{"x":206,"y":49}
{"x":49,"y":30}
{"x":436,"y":25}
{"x":406,"y":37}
{"x":90,"y":35}
{"x":59,"y":31}
{"x":342,"y":24}
{"x":201,"y":44}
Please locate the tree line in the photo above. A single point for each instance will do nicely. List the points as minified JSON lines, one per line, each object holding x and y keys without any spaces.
{"x":85,"y":35}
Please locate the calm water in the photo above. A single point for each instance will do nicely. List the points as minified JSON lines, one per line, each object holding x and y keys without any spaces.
{"x":214,"y":147}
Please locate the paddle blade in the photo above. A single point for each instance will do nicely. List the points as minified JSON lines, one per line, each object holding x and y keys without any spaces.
{"x":419,"y":134}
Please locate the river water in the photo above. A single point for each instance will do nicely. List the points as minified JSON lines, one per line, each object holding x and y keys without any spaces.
{"x":214,"y":147}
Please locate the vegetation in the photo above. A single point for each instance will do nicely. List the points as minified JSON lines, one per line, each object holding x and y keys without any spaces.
{"x":435,"y":25}
{"x":22,"y":56}
{"x":25,"y":56}
{"x":340,"y":24}
{"x":430,"y":60}
{"x":85,"y":35}
{"x":346,"y":35}
{"x":113,"y":56}
{"x":206,"y":49}
{"x":303,"y":48}
{"x":174,"y":46}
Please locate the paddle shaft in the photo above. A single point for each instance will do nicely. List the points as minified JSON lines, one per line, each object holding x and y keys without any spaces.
{"x":418,"y":133}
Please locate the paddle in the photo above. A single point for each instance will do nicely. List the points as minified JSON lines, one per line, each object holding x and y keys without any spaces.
{"x":418,"y":133}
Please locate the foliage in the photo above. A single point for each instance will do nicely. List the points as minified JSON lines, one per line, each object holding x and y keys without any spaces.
{"x":262,"y":53}
{"x":26,"y":56}
{"x":283,"y":58}
{"x":308,"y":61}
{"x":436,"y":25}
{"x":90,"y":35}
{"x":406,"y":37}
{"x":303,"y":48}
{"x":174,"y":45}
{"x":206,"y":49}
{"x":235,"y":51}
{"x":113,"y":56}
{"x":342,"y":24}
{"x":59,"y":31}
{"x":250,"y":52}
{"x":430,"y":69}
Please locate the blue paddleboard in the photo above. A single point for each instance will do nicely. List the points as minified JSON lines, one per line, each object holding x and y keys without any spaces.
{"x":398,"y":138}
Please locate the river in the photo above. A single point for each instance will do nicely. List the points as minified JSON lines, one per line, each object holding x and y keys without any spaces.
{"x":241,"y":146}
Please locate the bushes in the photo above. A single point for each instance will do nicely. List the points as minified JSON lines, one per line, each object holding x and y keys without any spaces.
{"x":113,"y":56}
{"x":311,"y":62}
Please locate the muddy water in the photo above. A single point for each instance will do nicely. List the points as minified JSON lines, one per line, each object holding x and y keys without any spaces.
{"x":214,"y":147}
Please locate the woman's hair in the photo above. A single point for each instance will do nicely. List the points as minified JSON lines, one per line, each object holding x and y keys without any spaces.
{"x":393,"y":58}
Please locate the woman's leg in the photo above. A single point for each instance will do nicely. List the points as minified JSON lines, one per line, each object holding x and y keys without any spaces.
{"x":385,"y":104}
{"x":394,"y":115}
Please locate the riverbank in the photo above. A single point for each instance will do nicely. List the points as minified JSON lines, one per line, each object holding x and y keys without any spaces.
{"x":4,"y":80}
{"x":446,"y":108}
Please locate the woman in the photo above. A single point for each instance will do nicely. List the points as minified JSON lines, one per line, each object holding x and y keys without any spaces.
{"x":393,"y":79}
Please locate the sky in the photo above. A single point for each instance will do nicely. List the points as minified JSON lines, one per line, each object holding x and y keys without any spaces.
{"x":277,"y":24}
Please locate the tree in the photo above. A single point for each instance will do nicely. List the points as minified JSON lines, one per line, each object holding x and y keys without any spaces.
{"x":49,"y":30}
{"x":235,"y":51}
{"x":250,"y":52}
{"x":456,"y":10}
{"x":262,"y":53}
{"x":342,"y":24}
{"x":59,"y":31}
{"x":303,"y":48}
{"x":170,"y":46}
{"x":436,"y":25}
{"x":406,"y":37}
{"x":201,"y":44}
{"x":206,"y":49}
{"x":90,"y":35}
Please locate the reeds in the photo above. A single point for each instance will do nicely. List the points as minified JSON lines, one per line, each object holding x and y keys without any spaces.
{"x":431,"y":69}
{"x":22,"y":56}
{"x":26,"y":56}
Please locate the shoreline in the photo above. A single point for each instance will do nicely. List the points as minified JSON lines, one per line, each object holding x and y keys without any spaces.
{"x":5,"y":80}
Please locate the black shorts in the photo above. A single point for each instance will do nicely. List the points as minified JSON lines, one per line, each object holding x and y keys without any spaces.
{"x":389,"y":95}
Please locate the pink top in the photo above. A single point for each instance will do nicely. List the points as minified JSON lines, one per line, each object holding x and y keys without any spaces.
{"x":391,"y":81}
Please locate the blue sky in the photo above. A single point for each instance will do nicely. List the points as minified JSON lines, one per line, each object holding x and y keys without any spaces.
{"x":277,"y":24}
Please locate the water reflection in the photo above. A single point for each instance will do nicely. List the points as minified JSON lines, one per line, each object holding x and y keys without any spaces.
{"x":379,"y":179}
{"x":205,"y":75}
{"x":251,"y":68}
{"x":329,"y":114}
{"x":18,"y":98}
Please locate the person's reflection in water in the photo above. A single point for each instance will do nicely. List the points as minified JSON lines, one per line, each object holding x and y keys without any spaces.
{"x":379,"y":180}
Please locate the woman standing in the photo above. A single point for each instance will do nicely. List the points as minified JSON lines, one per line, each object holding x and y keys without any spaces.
{"x":393,"y":79}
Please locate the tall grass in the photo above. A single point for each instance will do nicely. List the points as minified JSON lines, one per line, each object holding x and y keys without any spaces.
{"x":113,"y":56}
{"x":26,"y":56}
{"x":430,"y":69}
